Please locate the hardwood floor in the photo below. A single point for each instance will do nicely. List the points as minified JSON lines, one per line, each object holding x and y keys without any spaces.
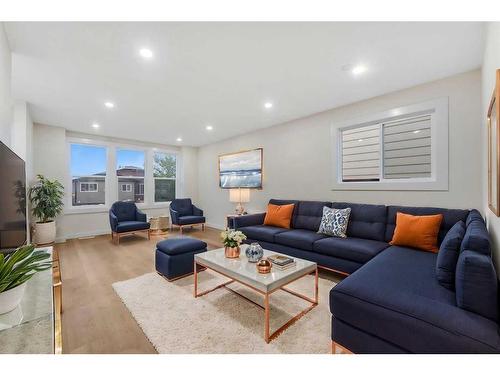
{"x":94,"y":319}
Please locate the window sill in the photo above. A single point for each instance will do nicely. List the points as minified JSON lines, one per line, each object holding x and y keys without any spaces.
{"x":101,"y":209}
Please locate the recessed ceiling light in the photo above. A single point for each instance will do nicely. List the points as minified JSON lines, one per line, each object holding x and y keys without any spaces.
{"x":109,"y":105}
{"x":146,"y":53}
{"x":95,"y":125}
{"x":179,"y":139}
{"x":358,"y":69}
{"x":268,"y":105}
{"x":209,"y":127}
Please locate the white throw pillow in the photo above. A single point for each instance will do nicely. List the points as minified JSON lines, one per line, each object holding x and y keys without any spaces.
{"x":334,"y":221}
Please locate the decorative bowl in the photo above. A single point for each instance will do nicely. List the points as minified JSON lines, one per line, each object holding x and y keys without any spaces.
{"x":264,"y":266}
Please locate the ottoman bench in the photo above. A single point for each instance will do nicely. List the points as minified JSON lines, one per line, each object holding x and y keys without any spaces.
{"x":174,"y":257}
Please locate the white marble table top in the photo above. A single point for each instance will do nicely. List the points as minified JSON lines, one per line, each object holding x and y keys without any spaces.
{"x":246,"y":272}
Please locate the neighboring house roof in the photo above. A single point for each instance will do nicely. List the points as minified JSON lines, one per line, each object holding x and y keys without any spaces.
{"x":126,"y":171}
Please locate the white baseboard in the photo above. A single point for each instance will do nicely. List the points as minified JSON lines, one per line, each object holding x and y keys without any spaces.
{"x":215,"y":226}
{"x":82,"y":234}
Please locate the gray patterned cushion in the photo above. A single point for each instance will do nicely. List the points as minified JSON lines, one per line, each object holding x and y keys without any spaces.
{"x":334,"y":221}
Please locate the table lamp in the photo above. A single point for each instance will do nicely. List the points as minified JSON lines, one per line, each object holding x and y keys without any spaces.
{"x":239,"y":196}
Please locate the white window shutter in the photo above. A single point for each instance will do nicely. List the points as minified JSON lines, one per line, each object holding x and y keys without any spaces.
{"x":361,"y":153}
{"x":407,"y":147}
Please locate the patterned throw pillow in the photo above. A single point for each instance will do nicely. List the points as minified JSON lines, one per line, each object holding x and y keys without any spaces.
{"x":334,"y":222}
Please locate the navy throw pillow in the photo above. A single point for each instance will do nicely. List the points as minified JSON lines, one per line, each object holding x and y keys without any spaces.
{"x":476,"y":284}
{"x":447,"y":257}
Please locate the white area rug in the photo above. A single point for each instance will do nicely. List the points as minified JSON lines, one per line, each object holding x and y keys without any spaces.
{"x":221,"y":321}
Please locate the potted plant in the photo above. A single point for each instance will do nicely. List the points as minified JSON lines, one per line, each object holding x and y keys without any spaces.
{"x":232,"y":240}
{"x":46,"y":198}
{"x":17,"y":268}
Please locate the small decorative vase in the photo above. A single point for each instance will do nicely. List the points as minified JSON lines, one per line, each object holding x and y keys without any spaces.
{"x":254,"y":252}
{"x":11,"y":298}
{"x":264,"y":266}
{"x":232,"y":252}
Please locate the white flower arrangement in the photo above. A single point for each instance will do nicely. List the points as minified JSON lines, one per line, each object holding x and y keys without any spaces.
{"x":232,"y":238}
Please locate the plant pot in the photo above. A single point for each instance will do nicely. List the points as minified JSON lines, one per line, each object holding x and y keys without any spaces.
{"x":45,"y":233}
{"x":11,"y":298}
{"x":232,"y":252}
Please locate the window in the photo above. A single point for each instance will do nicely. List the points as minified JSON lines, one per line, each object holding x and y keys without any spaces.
{"x":130,"y":172}
{"x":141,"y":189}
{"x":164,"y":174}
{"x":402,"y":149}
{"x":88,"y":174}
{"x":89,"y":187}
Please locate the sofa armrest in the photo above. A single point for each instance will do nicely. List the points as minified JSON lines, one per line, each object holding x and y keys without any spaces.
{"x":140,"y":216}
{"x":113,"y":221}
{"x":248,"y":220}
{"x":197,"y":211}
{"x":174,"y":216}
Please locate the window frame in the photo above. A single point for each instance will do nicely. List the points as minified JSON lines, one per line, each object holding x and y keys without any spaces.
{"x":126,"y":184}
{"x":111,"y":179}
{"x":438,"y":109}
{"x":88,"y":187}
{"x":165,"y":178}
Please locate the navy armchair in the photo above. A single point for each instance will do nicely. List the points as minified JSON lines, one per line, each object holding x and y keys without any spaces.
{"x":126,"y":219}
{"x":184,"y":213}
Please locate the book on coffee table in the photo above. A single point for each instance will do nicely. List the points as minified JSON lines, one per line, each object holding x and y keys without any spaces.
{"x":280,"y":260}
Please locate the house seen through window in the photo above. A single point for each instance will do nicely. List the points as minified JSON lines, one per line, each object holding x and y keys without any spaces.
{"x":88,"y":174}
{"x":130,"y":172}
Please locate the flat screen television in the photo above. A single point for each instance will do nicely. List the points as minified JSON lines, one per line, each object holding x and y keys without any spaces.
{"x":12,"y":200}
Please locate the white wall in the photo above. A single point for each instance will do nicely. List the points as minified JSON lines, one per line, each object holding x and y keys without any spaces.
{"x":51,"y":160}
{"x":491,"y":62}
{"x":298,"y":155}
{"x":6,"y":102}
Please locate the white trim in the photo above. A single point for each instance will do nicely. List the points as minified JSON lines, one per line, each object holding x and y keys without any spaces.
{"x":111,"y":180}
{"x":128,"y":187}
{"x":88,"y":187}
{"x":439,"y":149}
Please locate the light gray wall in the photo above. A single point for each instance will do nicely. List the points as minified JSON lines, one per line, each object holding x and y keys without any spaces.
{"x":491,"y":62}
{"x":298,"y":155}
{"x":6,"y":102}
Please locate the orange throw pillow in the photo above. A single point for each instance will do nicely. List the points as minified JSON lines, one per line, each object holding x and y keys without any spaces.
{"x":420,"y":232}
{"x":279,"y":216}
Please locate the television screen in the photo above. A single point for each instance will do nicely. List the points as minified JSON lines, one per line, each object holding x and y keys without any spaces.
{"x":12,"y":200}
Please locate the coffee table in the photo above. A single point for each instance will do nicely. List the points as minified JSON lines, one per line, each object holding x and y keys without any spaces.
{"x":244,"y":272}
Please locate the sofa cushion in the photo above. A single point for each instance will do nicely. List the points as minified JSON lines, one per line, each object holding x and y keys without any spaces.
{"x":449,"y":250}
{"x":418,"y":232}
{"x":476,"y":284}
{"x":366,"y":220}
{"x":279,"y":215}
{"x":261,"y":232}
{"x":335,"y":221}
{"x":450,"y":217}
{"x":183,"y":220}
{"x":355,"y":249}
{"x":308,"y":215}
{"x":128,"y":226}
{"x":397,"y":298}
{"x":474,"y":215}
{"x":180,"y":245}
{"x":476,"y":238}
{"x":299,"y":238}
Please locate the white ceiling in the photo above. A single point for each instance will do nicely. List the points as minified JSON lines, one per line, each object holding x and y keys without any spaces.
{"x":221,"y":73}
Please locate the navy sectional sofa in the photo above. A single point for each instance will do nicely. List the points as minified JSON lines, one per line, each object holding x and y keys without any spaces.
{"x":392,"y":302}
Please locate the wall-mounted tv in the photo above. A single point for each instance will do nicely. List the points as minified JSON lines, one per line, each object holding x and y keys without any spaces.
{"x":12,"y":200}
{"x":241,"y":170}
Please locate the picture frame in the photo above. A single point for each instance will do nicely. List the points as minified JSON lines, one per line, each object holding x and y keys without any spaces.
{"x":242,"y":169}
{"x":493,"y":123}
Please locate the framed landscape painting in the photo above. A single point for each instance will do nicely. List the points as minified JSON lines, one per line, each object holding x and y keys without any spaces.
{"x":241,"y":170}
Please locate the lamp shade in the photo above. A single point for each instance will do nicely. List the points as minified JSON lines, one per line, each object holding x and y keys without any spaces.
{"x":239,"y":195}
